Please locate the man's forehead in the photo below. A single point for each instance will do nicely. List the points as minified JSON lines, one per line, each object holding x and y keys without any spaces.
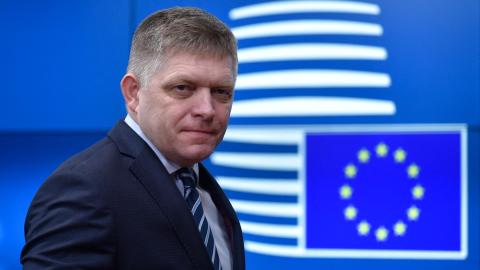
{"x":179,"y":64}
{"x":174,"y":52}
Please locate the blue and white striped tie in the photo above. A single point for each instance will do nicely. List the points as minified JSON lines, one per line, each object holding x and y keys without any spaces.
{"x":190,"y":193}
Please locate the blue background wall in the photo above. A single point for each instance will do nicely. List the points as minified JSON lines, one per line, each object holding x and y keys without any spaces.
{"x":63,"y":60}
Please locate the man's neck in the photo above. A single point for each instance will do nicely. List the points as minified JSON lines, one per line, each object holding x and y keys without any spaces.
{"x":169,"y":165}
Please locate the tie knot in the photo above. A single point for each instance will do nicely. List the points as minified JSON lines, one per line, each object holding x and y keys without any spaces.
{"x":188,"y":177}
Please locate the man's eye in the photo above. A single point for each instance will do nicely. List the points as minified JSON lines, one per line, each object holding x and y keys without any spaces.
{"x":181,"y":90}
{"x":223,"y":94}
{"x":181,"y":87}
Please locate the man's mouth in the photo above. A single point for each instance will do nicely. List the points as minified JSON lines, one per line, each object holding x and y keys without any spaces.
{"x":199,"y":133}
{"x":206,"y":131}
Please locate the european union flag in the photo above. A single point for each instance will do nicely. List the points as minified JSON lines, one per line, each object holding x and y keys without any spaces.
{"x":391,"y":191}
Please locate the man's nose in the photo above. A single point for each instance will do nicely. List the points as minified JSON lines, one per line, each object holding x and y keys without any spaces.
{"x":203,"y":105}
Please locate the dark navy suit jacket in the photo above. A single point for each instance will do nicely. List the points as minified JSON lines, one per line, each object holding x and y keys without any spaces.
{"x":114,"y":206}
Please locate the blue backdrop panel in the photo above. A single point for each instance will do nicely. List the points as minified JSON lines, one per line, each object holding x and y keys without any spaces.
{"x":63,"y":61}
{"x":66,"y":58}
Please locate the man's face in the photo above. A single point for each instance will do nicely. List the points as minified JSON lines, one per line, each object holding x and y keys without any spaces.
{"x":185,"y":107}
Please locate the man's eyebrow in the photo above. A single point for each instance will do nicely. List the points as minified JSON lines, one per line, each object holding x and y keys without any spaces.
{"x":224,"y":81}
{"x":183,"y":80}
{"x":179,"y":78}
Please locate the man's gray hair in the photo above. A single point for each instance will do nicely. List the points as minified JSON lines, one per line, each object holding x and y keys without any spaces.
{"x":169,"y":31}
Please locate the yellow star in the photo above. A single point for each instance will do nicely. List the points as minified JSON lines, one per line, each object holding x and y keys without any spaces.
{"x":381,"y":234}
{"x":413,"y":170}
{"x":350,"y":171}
{"x":413,"y":213}
{"x":399,"y":228}
{"x":363,"y":228}
{"x":400,"y":155}
{"x":418,"y":191}
{"x":363,"y":155}
{"x":350,"y":212}
{"x":346,"y":192}
{"x":381,"y":149}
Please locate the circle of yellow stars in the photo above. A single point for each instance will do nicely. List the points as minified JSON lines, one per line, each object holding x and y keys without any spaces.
{"x":350,"y":171}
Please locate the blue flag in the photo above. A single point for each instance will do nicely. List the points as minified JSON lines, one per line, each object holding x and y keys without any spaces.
{"x":384,"y":191}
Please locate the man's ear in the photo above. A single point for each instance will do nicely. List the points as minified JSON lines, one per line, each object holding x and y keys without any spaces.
{"x":130,"y":87}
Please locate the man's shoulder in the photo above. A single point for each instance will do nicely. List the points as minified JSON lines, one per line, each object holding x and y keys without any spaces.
{"x":102,"y":152}
{"x":95,"y":164}
{"x":84,"y":176}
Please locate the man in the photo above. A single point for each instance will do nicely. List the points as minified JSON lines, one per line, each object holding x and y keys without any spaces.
{"x":139,"y":198}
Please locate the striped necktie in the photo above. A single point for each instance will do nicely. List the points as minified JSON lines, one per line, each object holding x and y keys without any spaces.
{"x":190,"y":193}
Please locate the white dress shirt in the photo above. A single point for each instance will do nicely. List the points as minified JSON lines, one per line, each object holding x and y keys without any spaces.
{"x":215,"y":220}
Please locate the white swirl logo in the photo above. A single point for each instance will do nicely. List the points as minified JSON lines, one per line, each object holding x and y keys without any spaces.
{"x":281,"y":82}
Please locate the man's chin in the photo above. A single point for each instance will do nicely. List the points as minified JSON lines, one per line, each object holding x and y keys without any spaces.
{"x":197,"y":153}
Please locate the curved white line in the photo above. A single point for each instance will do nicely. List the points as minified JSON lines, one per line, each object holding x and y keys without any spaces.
{"x":312,"y":51}
{"x":264,"y":136}
{"x":257,"y":161}
{"x":311,"y":78}
{"x":261,"y":186}
{"x":307,"y":27}
{"x":289,"y":7}
{"x":281,"y":231}
{"x":272,"y":249}
{"x":291,"y":210}
{"x":311,"y":106}
{"x":300,"y":252}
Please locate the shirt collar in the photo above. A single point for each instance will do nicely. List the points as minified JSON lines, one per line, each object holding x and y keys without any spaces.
{"x":169,"y":165}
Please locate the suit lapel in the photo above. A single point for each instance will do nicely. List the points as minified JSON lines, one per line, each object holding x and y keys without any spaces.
{"x":159,"y":184}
